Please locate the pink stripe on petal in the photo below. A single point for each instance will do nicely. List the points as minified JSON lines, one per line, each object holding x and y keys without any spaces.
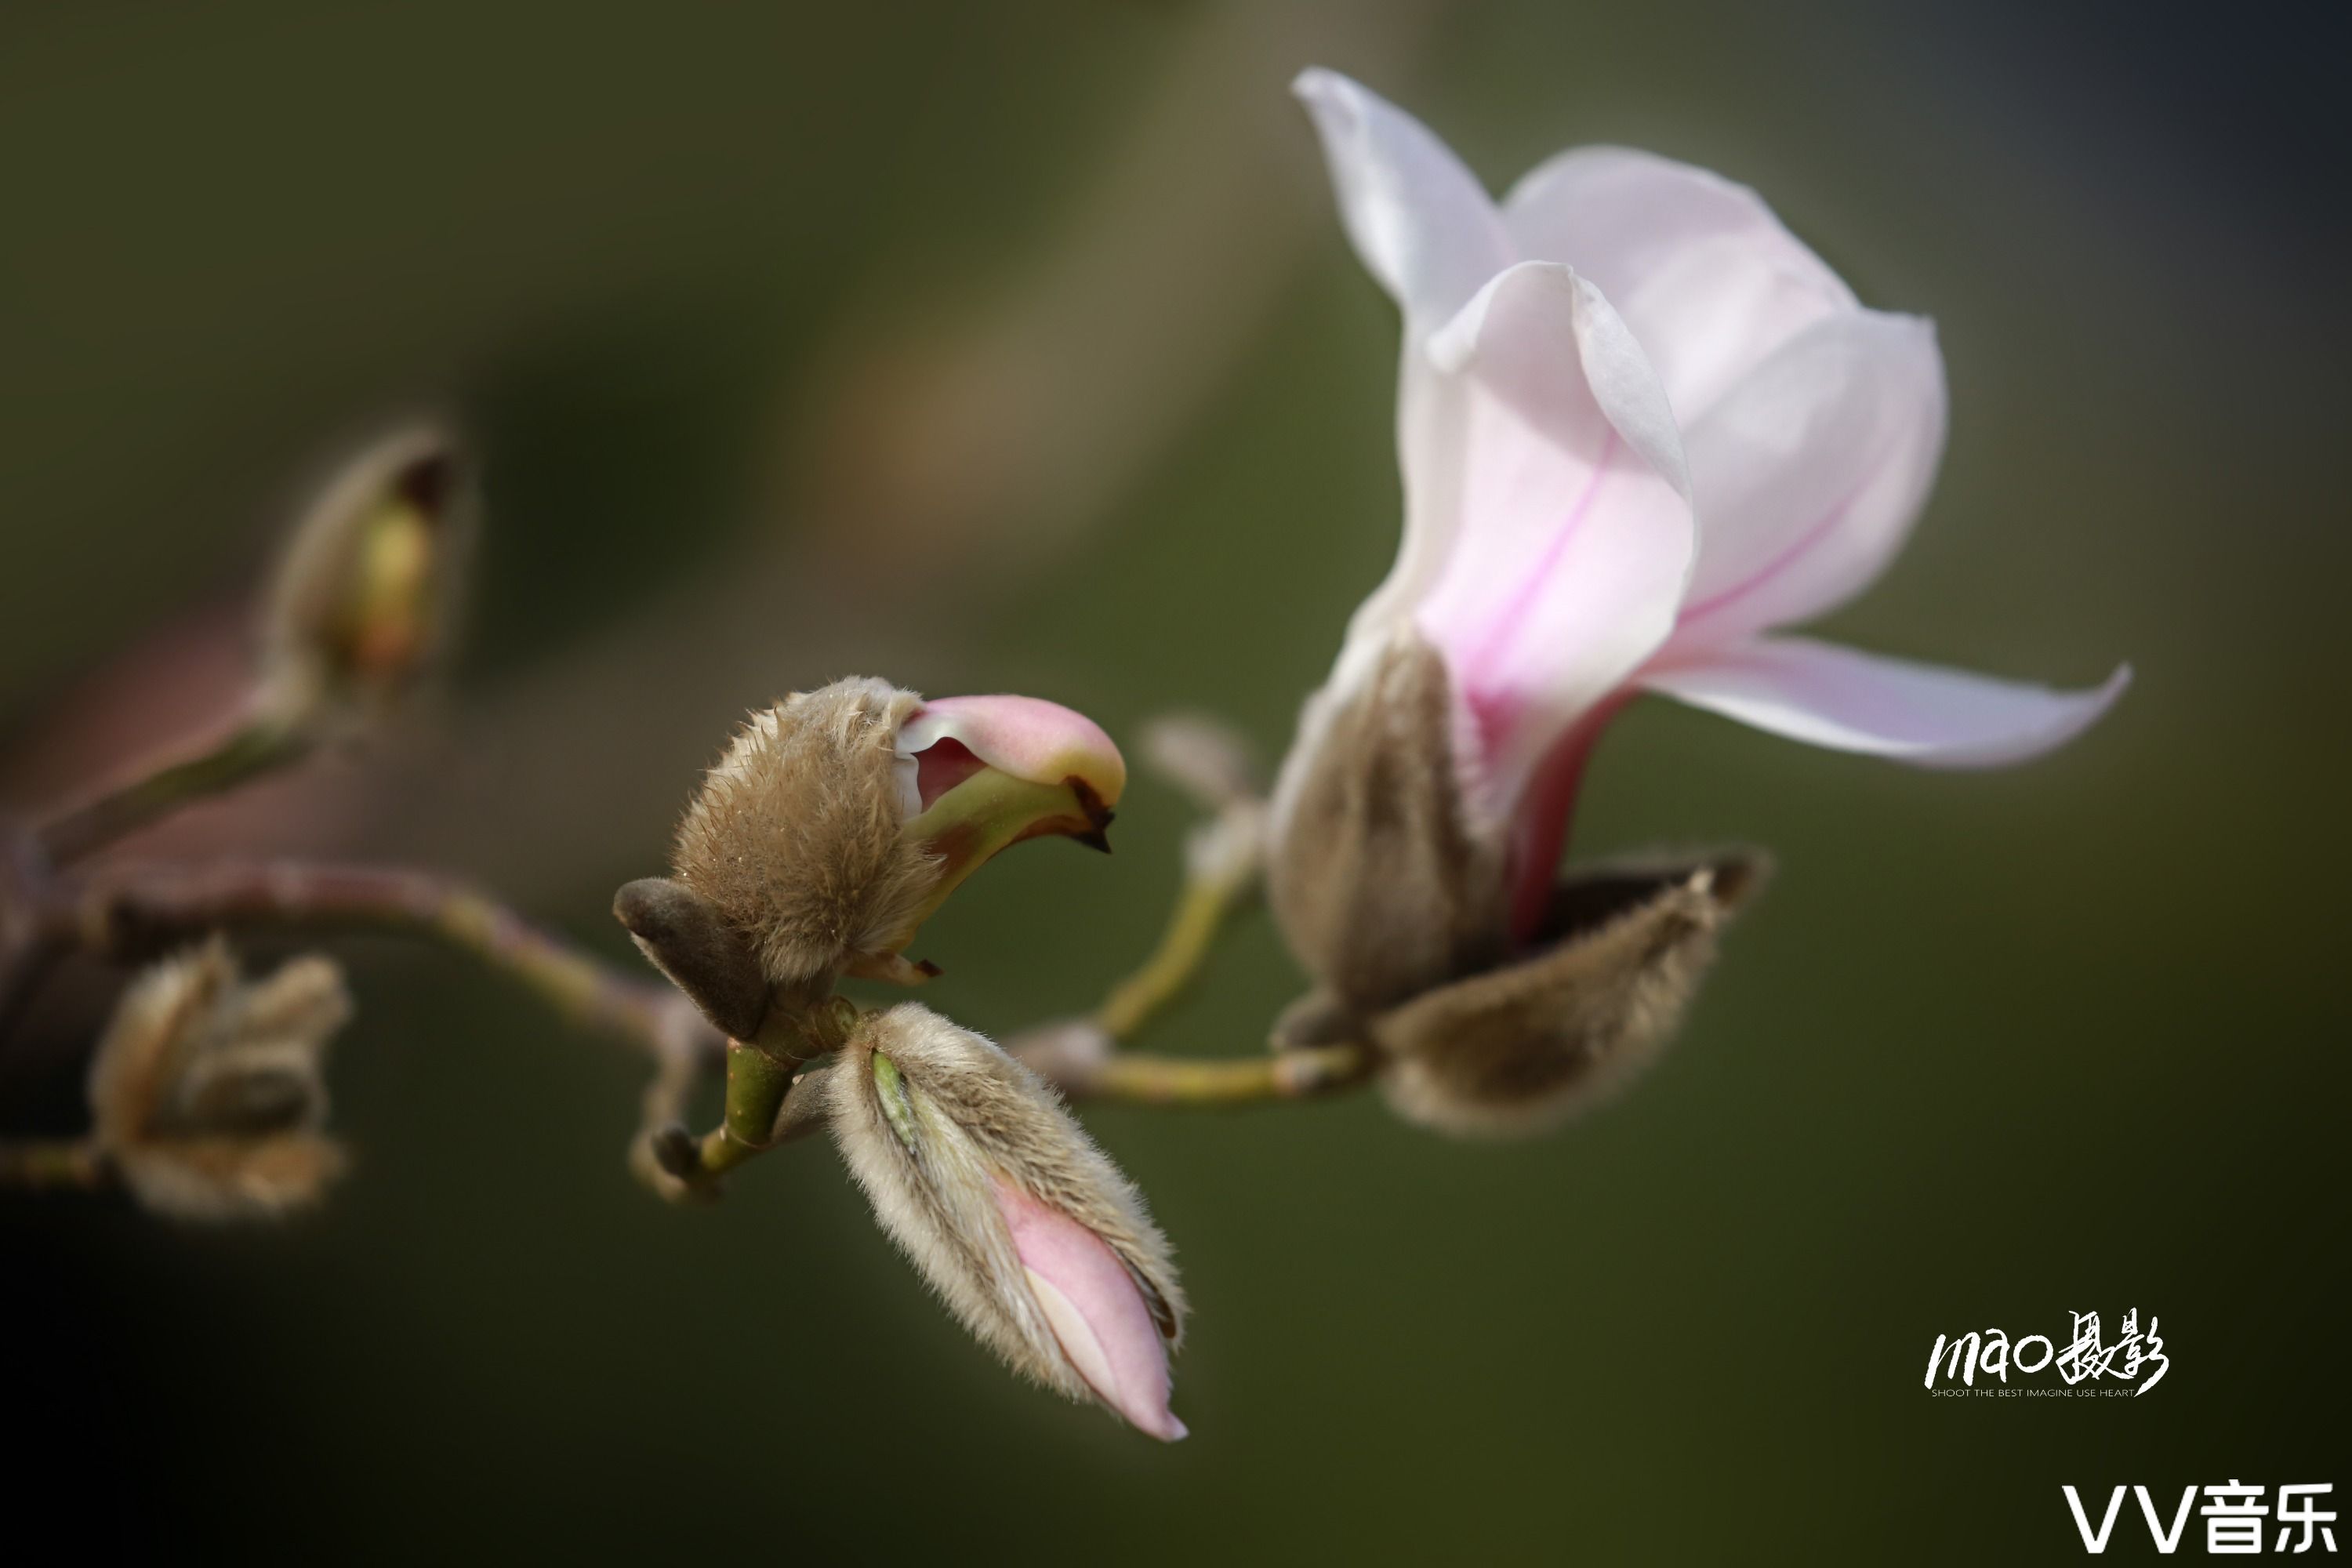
{"x":1804,"y":544}
{"x":1478,"y":665}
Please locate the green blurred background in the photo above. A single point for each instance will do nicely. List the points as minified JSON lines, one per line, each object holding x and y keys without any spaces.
{"x":1016,"y":347}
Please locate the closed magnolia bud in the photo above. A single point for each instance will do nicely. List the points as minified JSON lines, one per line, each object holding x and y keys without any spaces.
{"x":205,"y":1092}
{"x":1382,"y":877}
{"x":839,"y":819}
{"x":1028,"y":1233}
{"x":367,"y":587}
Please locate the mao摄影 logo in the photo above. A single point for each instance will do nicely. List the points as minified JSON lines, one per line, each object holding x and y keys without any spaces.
{"x":2131,"y":1364}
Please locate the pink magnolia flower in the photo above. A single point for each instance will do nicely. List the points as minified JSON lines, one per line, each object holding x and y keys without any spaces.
{"x":1642,"y":428}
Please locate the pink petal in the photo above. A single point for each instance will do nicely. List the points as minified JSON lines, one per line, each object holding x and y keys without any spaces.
{"x":1027,"y":737}
{"x":1575,"y":531}
{"x":1096,"y":1310}
{"x":1703,"y":274}
{"x":1420,"y":222}
{"x":1916,"y":713}
{"x":1809,"y":474}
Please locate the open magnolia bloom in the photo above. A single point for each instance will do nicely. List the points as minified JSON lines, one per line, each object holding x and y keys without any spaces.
{"x":1026,"y":1230}
{"x":1641,"y":428}
{"x":840,"y":819}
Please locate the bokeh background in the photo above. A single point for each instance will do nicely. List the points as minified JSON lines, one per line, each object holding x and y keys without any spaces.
{"x":1016,"y":347}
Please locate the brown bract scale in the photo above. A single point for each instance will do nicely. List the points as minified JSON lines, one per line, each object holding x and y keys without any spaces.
{"x":795,"y":841}
{"x":965,"y":1116}
{"x":205,"y":1092}
{"x":1518,"y":1047}
{"x":1379,"y":880}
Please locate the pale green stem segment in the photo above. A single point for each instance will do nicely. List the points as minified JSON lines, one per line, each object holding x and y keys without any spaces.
{"x":756,"y":1086}
{"x":49,"y":1164}
{"x":760,"y":1075}
{"x":1202,"y":909}
{"x":1221,"y":875}
{"x":273,"y":736}
{"x":1301,"y":1074}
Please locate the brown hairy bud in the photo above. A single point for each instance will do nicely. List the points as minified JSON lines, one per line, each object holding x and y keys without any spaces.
{"x":795,"y":838}
{"x":1518,"y":1047}
{"x":367,"y":587}
{"x":840,"y":819}
{"x":205,"y":1092}
{"x":1378,"y":876}
{"x":1026,"y":1230}
{"x":688,"y":941}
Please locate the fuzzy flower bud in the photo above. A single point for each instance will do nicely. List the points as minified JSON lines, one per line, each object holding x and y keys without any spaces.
{"x":839,"y":819}
{"x":1518,"y":1047}
{"x":366,"y":588}
{"x":1028,"y":1233}
{"x":205,"y":1092}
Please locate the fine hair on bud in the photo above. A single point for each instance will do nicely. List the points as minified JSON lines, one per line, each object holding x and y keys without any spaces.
{"x":205,"y":1092}
{"x":794,"y":839}
{"x":984,"y":1181}
{"x":1381,"y":883}
{"x":1520,"y":1046}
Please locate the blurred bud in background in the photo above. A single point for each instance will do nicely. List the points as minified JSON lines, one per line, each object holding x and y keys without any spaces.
{"x":1026,"y":1230}
{"x":206,"y":1092}
{"x":366,"y":591}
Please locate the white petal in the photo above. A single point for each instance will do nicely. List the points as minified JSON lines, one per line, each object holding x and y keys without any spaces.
{"x":1420,"y":222}
{"x":1705,"y":275}
{"x":1575,"y":535}
{"x":1918,"y":713}
{"x":1433,"y":408}
{"x":1809,"y":474}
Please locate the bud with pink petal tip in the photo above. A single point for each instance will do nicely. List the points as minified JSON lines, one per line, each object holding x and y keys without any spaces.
{"x":1028,"y":1233}
{"x":840,"y":819}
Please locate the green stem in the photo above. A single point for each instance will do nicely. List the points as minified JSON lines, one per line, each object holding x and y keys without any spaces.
{"x":266,"y":739}
{"x":1302,"y":1074}
{"x":1222,"y":871}
{"x":762,"y":1109}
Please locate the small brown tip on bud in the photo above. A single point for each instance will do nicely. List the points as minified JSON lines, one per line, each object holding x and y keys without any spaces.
{"x":1095,"y":838}
{"x":891,"y":968}
{"x":1518,"y":1047}
{"x":206,"y":1092}
{"x":701,"y":954}
{"x":366,"y":588}
{"x":675,"y":1151}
